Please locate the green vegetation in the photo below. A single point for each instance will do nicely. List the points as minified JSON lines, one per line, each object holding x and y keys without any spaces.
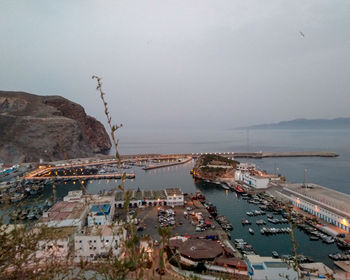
{"x":209,"y":159}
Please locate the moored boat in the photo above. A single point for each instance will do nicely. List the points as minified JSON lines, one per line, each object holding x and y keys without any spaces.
{"x":238,"y":188}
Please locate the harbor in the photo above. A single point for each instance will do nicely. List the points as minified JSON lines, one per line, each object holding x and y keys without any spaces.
{"x":266,"y":231}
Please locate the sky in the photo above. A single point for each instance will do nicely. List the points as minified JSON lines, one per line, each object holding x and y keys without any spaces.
{"x":182,"y":63}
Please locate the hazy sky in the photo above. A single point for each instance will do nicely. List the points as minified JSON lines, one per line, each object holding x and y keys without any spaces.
{"x":183,"y":62}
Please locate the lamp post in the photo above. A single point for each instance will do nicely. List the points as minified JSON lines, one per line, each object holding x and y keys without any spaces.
{"x":305,"y":170}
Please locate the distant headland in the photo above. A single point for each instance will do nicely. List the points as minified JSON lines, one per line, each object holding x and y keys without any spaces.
{"x":337,"y":123}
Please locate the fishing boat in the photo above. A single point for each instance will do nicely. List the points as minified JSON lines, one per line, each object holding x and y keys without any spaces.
{"x":275,"y":254}
{"x":251,"y":231}
{"x":239,"y":189}
{"x":314,"y":238}
{"x":260,"y":222}
{"x":225,"y":187}
{"x":36,"y":189}
{"x":17,"y":197}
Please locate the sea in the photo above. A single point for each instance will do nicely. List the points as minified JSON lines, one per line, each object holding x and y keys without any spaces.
{"x":329,"y":172}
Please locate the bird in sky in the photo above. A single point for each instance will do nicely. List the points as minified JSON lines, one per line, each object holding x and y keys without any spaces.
{"x":302,"y":34}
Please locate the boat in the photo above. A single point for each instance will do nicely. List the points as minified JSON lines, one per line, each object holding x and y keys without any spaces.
{"x":239,"y":189}
{"x":31,"y":215}
{"x":275,"y":255}
{"x":246,"y":222}
{"x":212,"y":210}
{"x":250,"y":213}
{"x":36,"y":189}
{"x":251,"y":231}
{"x":199,"y":196}
{"x":314,"y":238}
{"x":225,"y":187}
{"x":17,"y":197}
{"x":260,"y":222}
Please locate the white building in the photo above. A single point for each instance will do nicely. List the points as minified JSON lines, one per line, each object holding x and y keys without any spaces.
{"x":142,"y":198}
{"x":261,"y":268}
{"x":329,"y":205}
{"x":73,"y":196}
{"x":245,"y":167}
{"x":57,"y":245}
{"x":256,"y":182}
{"x":65,"y":214}
{"x":92,"y":243}
{"x":175,"y":197}
{"x":100,"y":215}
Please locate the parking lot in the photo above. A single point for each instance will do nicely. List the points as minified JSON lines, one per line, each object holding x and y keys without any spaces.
{"x":179,"y":223}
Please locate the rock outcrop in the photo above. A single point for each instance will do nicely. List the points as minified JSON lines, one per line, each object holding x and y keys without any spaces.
{"x":47,"y":127}
{"x":215,"y":168}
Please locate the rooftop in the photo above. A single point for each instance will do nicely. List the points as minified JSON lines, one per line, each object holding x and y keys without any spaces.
{"x":198,"y":249}
{"x":101,"y":210}
{"x":328,"y":197}
{"x":57,"y":233}
{"x":104,"y":230}
{"x":173,"y":191}
{"x":63,"y":210}
{"x":268,"y":261}
{"x":318,"y":267}
{"x":144,"y":194}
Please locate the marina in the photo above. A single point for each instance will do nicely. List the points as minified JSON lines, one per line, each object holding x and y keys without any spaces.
{"x":232,"y":205}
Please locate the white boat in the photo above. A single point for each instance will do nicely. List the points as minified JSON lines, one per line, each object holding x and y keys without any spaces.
{"x":225,"y":187}
{"x":251,"y":231}
{"x":17,"y":197}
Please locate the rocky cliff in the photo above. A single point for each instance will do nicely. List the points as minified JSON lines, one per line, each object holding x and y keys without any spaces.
{"x":214,"y":168}
{"x":48,"y":127}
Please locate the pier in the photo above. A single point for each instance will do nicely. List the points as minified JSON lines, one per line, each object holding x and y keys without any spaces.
{"x":88,"y":177}
{"x":149,"y":167}
{"x":269,"y":154}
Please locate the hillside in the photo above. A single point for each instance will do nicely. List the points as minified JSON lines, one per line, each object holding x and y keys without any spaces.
{"x":47,"y":127}
{"x":214,"y":168}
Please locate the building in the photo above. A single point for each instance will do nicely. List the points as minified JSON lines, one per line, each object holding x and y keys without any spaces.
{"x":65,"y":214}
{"x":254,"y":181}
{"x":316,"y":271}
{"x":327,"y":204}
{"x":73,"y":196}
{"x":56,"y":245}
{"x":261,"y":268}
{"x":93,"y":243}
{"x":175,"y":197}
{"x":99,"y":215}
{"x":212,"y":254}
{"x":142,"y":198}
{"x":245,"y":167}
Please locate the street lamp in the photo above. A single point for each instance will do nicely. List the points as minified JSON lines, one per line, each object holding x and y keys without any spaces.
{"x":305,"y":170}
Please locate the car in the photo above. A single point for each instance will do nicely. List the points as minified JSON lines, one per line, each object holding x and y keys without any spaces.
{"x":132,"y":212}
{"x":156,"y":243}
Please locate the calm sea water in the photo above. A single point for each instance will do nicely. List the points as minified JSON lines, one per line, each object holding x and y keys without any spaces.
{"x":331,"y":172}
